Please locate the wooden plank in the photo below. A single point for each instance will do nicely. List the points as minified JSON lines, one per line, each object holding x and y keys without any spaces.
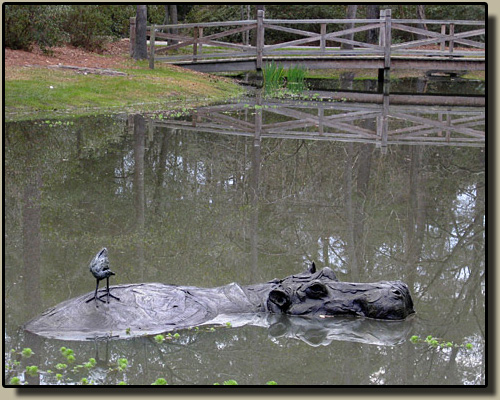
{"x":478,"y":118}
{"x":259,"y":43}
{"x":438,"y":21}
{"x":152,"y":49}
{"x":451,"y":42}
{"x":230,"y":45}
{"x":195,"y":43}
{"x":471,"y":43}
{"x":432,"y":55}
{"x":207,"y":56}
{"x":333,"y":36}
{"x":207,"y":24}
{"x":388,"y":45}
{"x":227,"y":119}
{"x":229,"y":32}
{"x":353,"y":42}
{"x":289,"y":30}
{"x":424,"y":32}
{"x":436,"y":37}
{"x":322,"y":42}
{"x":319,"y":21}
{"x":436,"y":124}
{"x":164,"y":35}
{"x":418,"y":31}
{"x":317,"y":37}
{"x":295,"y":42}
{"x":329,"y":121}
{"x":206,"y":38}
{"x":356,"y":52}
{"x":443,"y":33}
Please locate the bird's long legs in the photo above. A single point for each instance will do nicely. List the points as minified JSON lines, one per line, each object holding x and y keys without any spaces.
{"x":108,"y":293}
{"x":95,"y":294}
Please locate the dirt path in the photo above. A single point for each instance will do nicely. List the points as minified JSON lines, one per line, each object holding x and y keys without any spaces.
{"x":115,"y":55}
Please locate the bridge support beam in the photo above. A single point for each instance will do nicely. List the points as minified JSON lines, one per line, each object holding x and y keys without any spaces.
{"x":260,"y":38}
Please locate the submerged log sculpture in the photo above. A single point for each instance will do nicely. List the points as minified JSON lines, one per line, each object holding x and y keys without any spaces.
{"x":151,"y":308}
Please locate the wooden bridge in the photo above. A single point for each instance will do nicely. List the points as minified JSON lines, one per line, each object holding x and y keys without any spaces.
{"x":379,"y":124}
{"x":446,"y":45}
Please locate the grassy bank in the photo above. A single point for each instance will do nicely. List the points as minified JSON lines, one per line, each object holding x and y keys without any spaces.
{"x":40,"y":92}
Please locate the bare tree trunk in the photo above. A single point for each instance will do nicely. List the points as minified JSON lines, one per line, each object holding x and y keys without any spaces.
{"x":351,"y":14}
{"x":166,"y":19}
{"x":372,"y":12}
{"x":421,"y":15}
{"x":254,"y":35}
{"x":171,"y":12}
{"x":141,"y":47}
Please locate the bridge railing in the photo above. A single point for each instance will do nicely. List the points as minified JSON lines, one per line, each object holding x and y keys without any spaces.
{"x":335,"y":37}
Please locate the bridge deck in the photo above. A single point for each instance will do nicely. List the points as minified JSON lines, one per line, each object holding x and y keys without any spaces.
{"x":341,"y":62}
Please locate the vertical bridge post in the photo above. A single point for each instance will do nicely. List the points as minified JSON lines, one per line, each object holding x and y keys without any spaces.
{"x":132,"y":36}
{"x":152,"y":47}
{"x":260,"y":39}
{"x":385,"y":40}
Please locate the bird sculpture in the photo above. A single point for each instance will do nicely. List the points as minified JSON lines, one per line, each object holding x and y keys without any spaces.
{"x":99,"y":266}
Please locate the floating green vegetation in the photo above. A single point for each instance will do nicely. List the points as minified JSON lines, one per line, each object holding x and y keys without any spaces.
{"x":159,"y":338}
{"x":122,"y":364}
{"x":63,"y":373}
{"x":439,"y":343}
{"x":27,"y":352}
{"x":160,"y":381}
{"x":17,"y":371}
{"x":230,"y":382}
{"x":15,"y":381}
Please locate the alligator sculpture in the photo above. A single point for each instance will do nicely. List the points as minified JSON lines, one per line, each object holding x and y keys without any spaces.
{"x":152,"y":308}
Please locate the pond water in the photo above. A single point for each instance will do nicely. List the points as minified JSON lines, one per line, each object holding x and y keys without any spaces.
{"x":248,"y":192}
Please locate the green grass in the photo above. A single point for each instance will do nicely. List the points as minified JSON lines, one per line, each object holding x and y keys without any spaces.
{"x":42,"y":91}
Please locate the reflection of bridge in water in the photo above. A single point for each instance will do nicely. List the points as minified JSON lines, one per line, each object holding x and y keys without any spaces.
{"x":380,"y":124}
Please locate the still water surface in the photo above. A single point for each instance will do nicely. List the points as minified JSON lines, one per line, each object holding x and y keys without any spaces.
{"x":249,"y":192}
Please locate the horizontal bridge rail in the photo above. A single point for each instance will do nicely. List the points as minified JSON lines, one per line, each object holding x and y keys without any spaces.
{"x":228,"y":40}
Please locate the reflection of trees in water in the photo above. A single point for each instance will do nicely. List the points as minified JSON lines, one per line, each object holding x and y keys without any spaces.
{"x":218,"y":208}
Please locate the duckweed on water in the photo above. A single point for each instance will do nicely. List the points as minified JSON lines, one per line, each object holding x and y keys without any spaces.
{"x":32,"y":370}
{"x":233,"y":382}
{"x":122,"y":364}
{"x":439,"y":343}
{"x":159,"y":338}
{"x":27,"y":352}
{"x":160,"y":381}
{"x":62,"y":373}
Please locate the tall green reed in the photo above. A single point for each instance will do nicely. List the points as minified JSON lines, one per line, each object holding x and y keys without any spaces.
{"x":295,"y":78}
{"x":276,"y":78}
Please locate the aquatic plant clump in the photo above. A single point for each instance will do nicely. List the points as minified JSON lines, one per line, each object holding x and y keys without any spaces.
{"x":277,"y":79}
{"x":273,"y":77}
{"x":295,"y":77}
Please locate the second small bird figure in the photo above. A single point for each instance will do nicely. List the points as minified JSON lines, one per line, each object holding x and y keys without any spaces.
{"x":99,"y":267}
